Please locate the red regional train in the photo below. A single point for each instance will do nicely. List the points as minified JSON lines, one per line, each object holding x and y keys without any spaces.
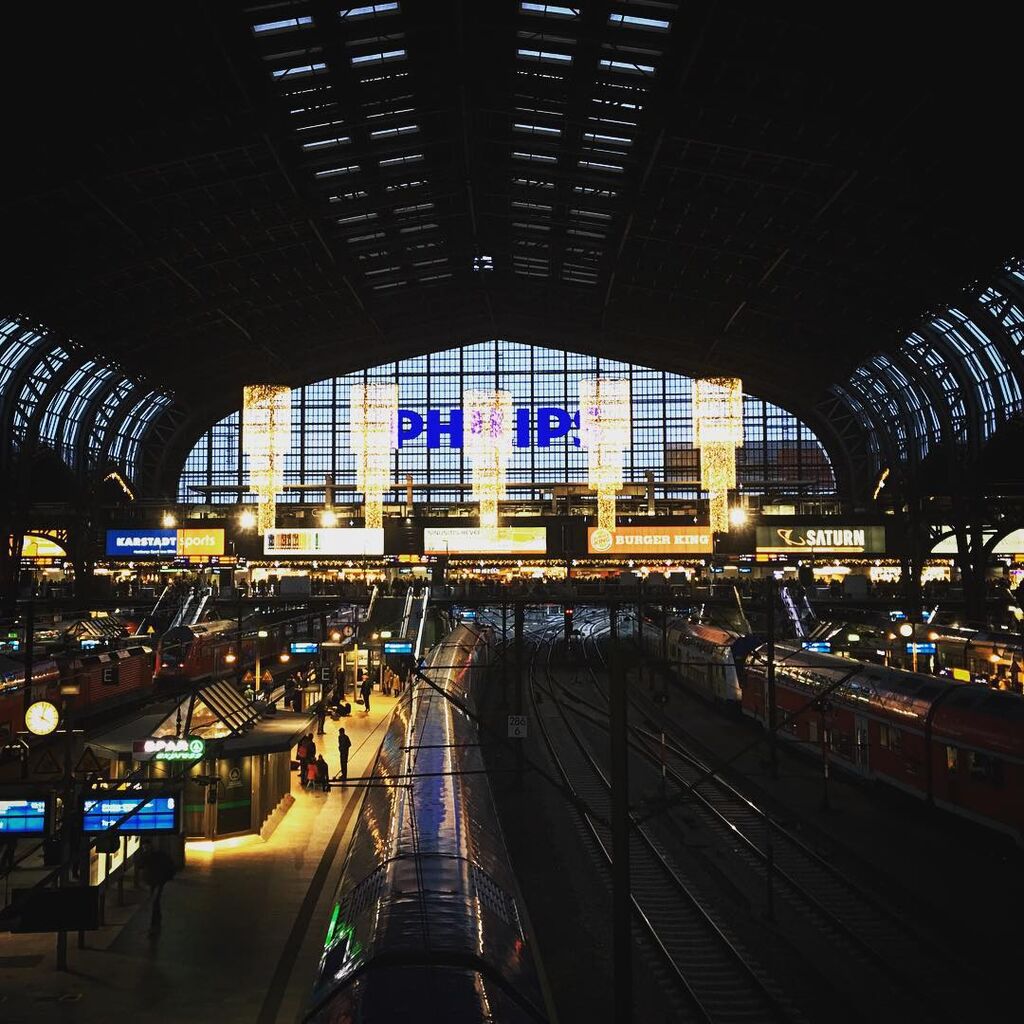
{"x":956,"y":745}
{"x":210,"y":650}
{"x":104,"y":681}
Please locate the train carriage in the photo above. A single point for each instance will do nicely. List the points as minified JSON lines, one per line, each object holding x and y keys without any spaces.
{"x":428,"y":902}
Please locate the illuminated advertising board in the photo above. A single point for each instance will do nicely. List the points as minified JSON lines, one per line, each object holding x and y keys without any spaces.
{"x":200,"y":542}
{"x":159,"y":814}
{"x":169,"y":748}
{"x":823,"y":540}
{"x":470,"y":540}
{"x":650,"y":540}
{"x":922,"y":648}
{"x":164,"y":543}
{"x":22,"y":817}
{"x":315,"y":542}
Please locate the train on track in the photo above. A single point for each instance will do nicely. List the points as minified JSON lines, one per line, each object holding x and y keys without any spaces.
{"x":955,"y":745}
{"x":705,"y":655}
{"x":103,"y":680}
{"x":958,"y":746}
{"x":427,"y":925}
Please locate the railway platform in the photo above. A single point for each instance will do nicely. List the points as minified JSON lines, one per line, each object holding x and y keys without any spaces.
{"x":243,"y":922}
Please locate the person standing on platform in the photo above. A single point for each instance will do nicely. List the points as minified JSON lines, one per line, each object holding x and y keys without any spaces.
{"x":321,"y":714}
{"x":364,"y":691}
{"x":323,"y":774}
{"x":157,"y":870}
{"x":344,"y":746}
{"x":311,"y":775}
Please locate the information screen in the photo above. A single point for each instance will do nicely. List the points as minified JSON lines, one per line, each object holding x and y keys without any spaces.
{"x":160,"y":814}
{"x":398,"y":647}
{"x":304,"y":647}
{"x":23,"y":817}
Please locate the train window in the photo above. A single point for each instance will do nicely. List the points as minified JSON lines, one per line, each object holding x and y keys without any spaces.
{"x":952,"y":759}
{"x":889,"y":737}
{"x":986,"y":768}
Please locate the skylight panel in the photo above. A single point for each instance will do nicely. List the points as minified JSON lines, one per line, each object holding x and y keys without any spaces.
{"x":357,"y":218}
{"x":629,"y":69}
{"x":533,"y":183}
{"x":595,"y":165}
{"x":537,"y":129}
{"x":632,"y":21}
{"x":415,"y":228}
{"x":540,"y":207}
{"x":530,"y":226}
{"x":390,"y":284}
{"x":397,"y":161}
{"x":399,"y":185}
{"x":267,"y":28}
{"x":430,"y":263}
{"x":415,"y":208}
{"x":338,"y":140}
{"x":322,"y":125}
{"x":379,"y":58}
{"x":435,"y":277}
{"x":541,"y":158}
{"x":368,"y":11}
{"x":615,"y":140}
{"x":365,"y":238}
{"x":591,"y":213}
{"x":382,"y":270}
{"x":545,"y":56}
{"x":389,"y":113}
{"x":299,"y":71}
{"x":387,"y":133}
{"x":347,"y":197}
{"x":550,"y":10}
{"x":333,"y":172}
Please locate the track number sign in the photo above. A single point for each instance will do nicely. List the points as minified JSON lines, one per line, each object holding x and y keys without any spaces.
{"x":516,"y":727}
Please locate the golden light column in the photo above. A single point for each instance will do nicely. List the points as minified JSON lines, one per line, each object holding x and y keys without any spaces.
{"x":605,"y":433}
{"x":488,"y":432}
{"x":718,"y":432}
{"x":373,"y":413}
{"x":266,"y":438}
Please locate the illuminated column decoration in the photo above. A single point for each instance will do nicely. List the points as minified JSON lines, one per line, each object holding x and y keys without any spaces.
{"x":718,"y":432}
{"x":373,"y":412}
{"x":266,"y":437}
{"x":605,"y":433}
{"x":488,"y":431}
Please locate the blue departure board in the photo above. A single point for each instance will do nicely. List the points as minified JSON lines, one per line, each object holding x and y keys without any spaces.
{"x":398,"y":647}
{"x":23,"y":817}
{"x":160,"y":814}
{"x":304,"y":647}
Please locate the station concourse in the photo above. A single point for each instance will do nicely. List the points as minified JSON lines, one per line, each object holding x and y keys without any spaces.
{"x":609,"y":414}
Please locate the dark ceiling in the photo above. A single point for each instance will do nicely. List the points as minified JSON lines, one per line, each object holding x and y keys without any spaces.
{"x":771,"y":193}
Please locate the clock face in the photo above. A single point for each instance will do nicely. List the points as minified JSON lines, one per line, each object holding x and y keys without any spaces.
{"x":42,"y":717}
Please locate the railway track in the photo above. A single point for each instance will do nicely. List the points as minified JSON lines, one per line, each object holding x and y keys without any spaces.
{"x":715,"y":977}
{"x":850,"y":915}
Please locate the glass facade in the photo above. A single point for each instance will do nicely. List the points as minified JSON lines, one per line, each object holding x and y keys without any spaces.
{"x":780,"y":454}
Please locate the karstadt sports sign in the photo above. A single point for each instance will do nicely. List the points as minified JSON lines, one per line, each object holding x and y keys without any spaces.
{"x":164,"y":543}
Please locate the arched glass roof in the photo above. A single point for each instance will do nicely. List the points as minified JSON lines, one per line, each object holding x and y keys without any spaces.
{"x":780,"y":454}
{"x":55,"y":395}
{"x":955,"y":379}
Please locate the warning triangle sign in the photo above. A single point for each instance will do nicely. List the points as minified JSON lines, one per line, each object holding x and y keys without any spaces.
{"x":150,"y":630}
{"x":47,"y":765}
{"x":88,"y":762}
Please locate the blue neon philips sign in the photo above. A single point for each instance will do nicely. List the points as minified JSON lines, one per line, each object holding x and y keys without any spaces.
{"x":444,"y":428}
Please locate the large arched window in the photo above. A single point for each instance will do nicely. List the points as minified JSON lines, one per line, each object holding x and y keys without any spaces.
{"x":780,"y":453}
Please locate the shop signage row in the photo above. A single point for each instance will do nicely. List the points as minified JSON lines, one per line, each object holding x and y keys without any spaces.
{"x":164,"y":543}
{"x":169,"y":748}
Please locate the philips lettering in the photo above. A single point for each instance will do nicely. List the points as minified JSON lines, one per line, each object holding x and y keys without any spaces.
{"x":444,"y":428}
